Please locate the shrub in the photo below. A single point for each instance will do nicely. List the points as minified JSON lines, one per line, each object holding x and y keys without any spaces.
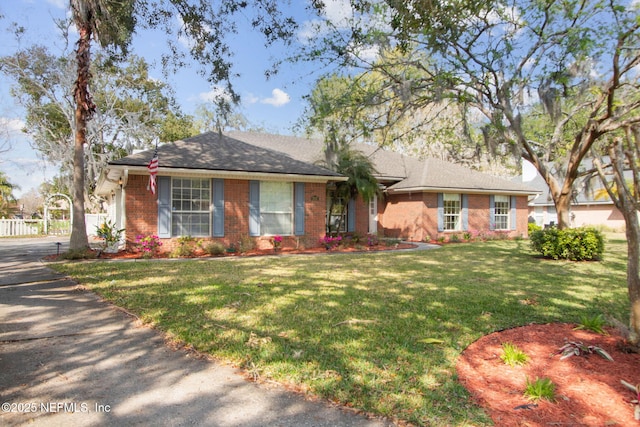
{"x":331,"y":242}
{"x":148,"y":245}
{"x":214,"y":248}
{"x":576,"y":244}
{"x":185,"y":248}
{"x":532,"y":226}
{"x":391,"y":242}
{"x":246,"y":244}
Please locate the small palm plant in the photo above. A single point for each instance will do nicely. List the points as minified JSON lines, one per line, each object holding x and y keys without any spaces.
{"x":512,"y":355}
{"x":594,"y":324}
{"x":541,"y":388}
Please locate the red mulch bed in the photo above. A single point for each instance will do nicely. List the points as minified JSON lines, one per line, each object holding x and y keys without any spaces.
{"x":259,"y":252}
{"x":588,"y":388}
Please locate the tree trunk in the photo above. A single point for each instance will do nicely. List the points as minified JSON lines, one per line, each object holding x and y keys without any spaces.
{"x":633,"y":274}
{"x":84,"y":109}
{"x":563,"y":210}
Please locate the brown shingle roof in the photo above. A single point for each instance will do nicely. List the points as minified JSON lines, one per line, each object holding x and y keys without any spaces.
{"x":215,"y":152}
{"x":400,"y":172}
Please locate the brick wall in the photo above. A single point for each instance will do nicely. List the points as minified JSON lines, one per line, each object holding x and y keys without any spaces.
{"x":414,"y":216}
{"x":142,"y":215}
{"x":411,"y":216}
{"x":141,"y":208}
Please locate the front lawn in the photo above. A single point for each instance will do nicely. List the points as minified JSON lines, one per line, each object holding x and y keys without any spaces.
{"x":380,"y":331}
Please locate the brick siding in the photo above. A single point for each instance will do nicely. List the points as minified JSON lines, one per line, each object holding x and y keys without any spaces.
{"x":142,"y":215}
{"x":410,"y":216}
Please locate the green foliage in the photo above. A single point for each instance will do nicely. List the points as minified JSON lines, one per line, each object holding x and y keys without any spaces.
{"x":6,"y":194}
{"x":593,"y":323}
{"x":214,"y":248}
{"x":532,"y":226}
{"x":148,"y":245}
{"x":577,"y":348}
{"x":541,"y":388}
{"x":512,"y":355}
{"x":109,"y":232}
{"x":186,"y":247}
{"x":246,"y":244}
{"x":575,"y":244}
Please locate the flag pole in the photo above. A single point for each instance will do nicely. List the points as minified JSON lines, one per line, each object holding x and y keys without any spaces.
{"x":153,"y":171}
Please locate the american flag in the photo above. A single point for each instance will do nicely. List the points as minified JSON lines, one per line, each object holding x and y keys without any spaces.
{"x":153,"y":171}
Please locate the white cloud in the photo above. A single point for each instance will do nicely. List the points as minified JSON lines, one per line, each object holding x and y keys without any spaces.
{"x":337,"y":14}
{"x":250,"y":98}
{"x":278,"y":98}
{"x":216,"y":93}
{"x":11,"y":125}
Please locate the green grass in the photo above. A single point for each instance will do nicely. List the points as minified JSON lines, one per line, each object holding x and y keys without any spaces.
{"x":379,"y":331}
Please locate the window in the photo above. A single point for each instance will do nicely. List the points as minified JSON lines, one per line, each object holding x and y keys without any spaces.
{"x":337,"y":215}
{"x":276,"y":208}
{"x":190,"y":207}
{"x":451,"y":209}
{"x":502,"y":212}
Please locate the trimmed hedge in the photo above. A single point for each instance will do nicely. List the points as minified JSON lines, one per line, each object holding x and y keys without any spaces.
{"x":575,"y":244}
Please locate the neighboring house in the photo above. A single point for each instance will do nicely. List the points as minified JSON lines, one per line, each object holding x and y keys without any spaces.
{"x":239,"y":184}
{"x":586,"y":209}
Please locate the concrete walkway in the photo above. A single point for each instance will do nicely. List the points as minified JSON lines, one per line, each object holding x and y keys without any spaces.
{"x":69,"y":359}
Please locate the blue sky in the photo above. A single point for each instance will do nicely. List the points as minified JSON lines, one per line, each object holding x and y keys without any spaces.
{"x":275,"y":104}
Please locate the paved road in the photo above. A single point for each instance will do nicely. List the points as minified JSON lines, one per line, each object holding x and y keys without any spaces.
{"x":69,"y":359}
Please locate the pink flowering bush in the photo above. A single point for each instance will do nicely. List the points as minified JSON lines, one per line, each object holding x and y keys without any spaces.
{"x":331,"y":242}
{"x":148,"y":245}
{"x":276,"y":241}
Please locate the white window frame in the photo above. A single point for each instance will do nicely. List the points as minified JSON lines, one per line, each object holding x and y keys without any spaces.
{"x":277,"y":201}
{"x":452,"y":211}
{"x":189,"y":204}
{"x":502,"y":212}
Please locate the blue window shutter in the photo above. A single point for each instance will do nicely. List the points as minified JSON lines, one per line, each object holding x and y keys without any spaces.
{"x":299,"y":208}
{"x":254,"y":208}
{"x":164,"y":206}
{"x":218,"y":207}
{"x":513,"y":213}
{"x":440,"y":212}
{"x":351,"y":216}
{"x":492,"y":213}
{"x":465,"y":212}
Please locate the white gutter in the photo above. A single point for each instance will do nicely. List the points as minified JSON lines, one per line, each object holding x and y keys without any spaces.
{"x":460,"y":190}
{"x":262,"y":176}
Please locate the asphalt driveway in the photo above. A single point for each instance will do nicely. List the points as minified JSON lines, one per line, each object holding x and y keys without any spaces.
{"x":69,"y":359}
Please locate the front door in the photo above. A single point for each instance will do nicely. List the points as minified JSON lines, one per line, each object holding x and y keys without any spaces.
{"x":373,"y":215}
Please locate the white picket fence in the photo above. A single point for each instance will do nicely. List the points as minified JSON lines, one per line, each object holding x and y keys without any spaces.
{"x":35,"y":227}
{"x":21,"y":227}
